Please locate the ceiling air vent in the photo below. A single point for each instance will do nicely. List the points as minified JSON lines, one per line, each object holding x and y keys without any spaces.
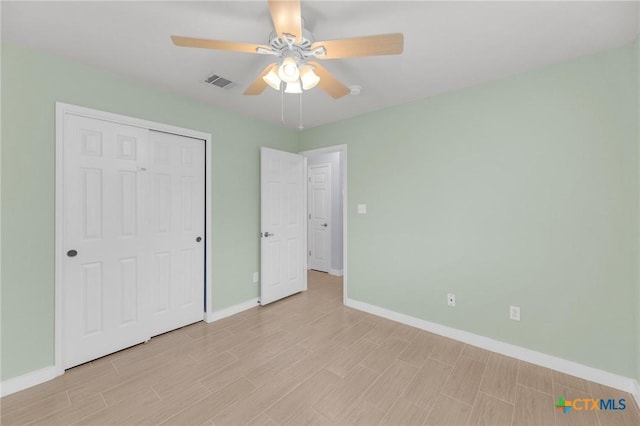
{"x":221,"y":82}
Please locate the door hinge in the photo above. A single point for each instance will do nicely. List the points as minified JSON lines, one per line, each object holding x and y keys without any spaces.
{"x":309,"y":252}
{"x":309,"y":215}
{"x":309,"y":179}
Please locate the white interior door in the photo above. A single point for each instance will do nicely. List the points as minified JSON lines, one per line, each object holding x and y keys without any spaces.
{"x":133,"y":210}
{"x":283,"y":234}
{"x":176,"y":216}
{"x":105,"y":297}
{"x":320,"y":217}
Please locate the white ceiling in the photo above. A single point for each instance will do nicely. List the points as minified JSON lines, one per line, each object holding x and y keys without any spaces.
{"x":448,"y":45}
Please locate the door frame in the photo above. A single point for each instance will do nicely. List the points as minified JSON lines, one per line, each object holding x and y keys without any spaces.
{"x":309,"y":167}
{"x":342,"y":149}
{"x":61,"y":111}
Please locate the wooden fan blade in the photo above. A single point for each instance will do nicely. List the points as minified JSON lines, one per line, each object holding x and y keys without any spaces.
{"x":382,"y":44}
{"x":287,"y":17}
{"x":204,"y":43}
{"x":328,"y":82}
{"x":259,"y":84}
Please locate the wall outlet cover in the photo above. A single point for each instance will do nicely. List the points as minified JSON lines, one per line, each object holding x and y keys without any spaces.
{"x":256,"y":276}
{"x":451,"y":299}
{"x":514,"y":313}
{"x":362,"y":209}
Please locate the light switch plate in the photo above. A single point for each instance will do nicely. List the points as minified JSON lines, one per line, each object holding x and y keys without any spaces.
{"x":362,"y":209}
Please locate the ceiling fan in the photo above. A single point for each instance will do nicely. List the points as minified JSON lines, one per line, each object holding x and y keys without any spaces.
{"x":294,"y":70}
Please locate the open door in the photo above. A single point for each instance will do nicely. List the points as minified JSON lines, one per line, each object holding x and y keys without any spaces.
{"x":283,"y":226}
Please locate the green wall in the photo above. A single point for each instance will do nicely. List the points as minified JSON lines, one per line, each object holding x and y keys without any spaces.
{"x":522,"y":191}
{"x":31,"y":84}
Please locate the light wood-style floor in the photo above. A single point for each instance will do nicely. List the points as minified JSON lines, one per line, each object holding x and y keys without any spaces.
{"x":308,"y":360}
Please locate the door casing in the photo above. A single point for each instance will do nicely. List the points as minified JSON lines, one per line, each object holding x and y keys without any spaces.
{"x":64,"y":109}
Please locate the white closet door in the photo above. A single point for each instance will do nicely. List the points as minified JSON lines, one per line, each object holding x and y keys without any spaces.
{"x":176,"y":215}
{"x":105,"y":291}
{"x":133,"y":235}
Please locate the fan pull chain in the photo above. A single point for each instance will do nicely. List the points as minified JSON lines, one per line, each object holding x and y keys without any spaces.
{"x":300,"y":127}
{"x":282,"y":103}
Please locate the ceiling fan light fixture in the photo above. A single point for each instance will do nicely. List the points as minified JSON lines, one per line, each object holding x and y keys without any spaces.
{"x":293,"y":87}
{"x":308,"y":77}
{"x":288,"y":71}
{"x":272,"y":79}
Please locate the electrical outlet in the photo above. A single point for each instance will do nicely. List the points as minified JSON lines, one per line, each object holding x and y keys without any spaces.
{"x":451,"y":299}
{"x":514,"y":313}
{"x":255,"y":277}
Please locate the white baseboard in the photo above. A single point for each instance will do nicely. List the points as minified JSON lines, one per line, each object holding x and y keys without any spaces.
{"x":16,"y":384}
{"x":636,"y":393}
{"x":565,"y":366}
{"x":336,"y":272}
{"x":231,"y":310}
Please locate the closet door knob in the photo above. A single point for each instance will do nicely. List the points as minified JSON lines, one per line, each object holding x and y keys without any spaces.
{"x":198,"y":239}
{"x":72,"y":253}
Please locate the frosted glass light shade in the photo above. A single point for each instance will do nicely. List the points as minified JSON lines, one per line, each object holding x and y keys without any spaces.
{"x":272,"y":79}
{"x":308,"y":77}
{"x":293,"y":87}
{"x":288,"y":71}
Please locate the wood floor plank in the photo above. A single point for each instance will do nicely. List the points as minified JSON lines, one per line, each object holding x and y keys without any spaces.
{"x":532,"y":408}
{"x":570,"y":381}
{"x":500,"y":377}
{"x":346,"y":392}
{"x":210,"y":406}
{"x":384,"y":356}
{"x":249,"y":405}
{"x":475,"y":353}
{"x":348,"y":358}
{"x":490,"y":411}
{"x":404,"y":413}
{"x":381,"y":332}
{"x":427,"y":384}
{"x":120,"y":411}
{"x":350,"y":335}
{"x":170,"y":404}
{"x":447,"y":351}
{"x":302,"y":397}
{"x":34,"y":411}
{"x":405,"y":332}
{"x":270,"y":370}
{"x":360,"y":413}
{"x":75,"y":412}
{"x":464,"y":380}
{"x":390,"y":385}
{"x":448,"y":412}
{"x":535,"y":377}
{"x":420,"y":348}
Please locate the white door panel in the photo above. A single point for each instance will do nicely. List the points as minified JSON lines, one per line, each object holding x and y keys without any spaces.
{"x":283,"y":239}
{"x":320,"y":217}
{"x":104,"y":297}
{"x":176,"y":168}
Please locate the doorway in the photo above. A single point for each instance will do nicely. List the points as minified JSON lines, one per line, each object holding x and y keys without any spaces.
{"x":326,"y":205}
